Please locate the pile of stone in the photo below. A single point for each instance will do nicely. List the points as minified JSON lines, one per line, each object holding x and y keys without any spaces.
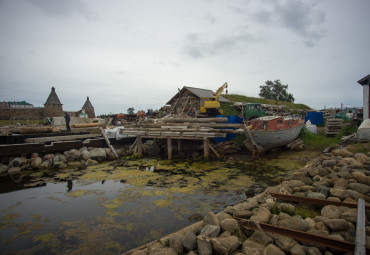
{"x":69,"y":159}
{"x":338,"y":176}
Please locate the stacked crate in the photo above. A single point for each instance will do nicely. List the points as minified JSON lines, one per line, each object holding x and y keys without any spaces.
{"x":333,"y":126}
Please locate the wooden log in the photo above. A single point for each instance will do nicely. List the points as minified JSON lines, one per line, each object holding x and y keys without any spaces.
{"x":140,"y":146}
{"x":108,"y":143}
{"x":94,"y":124}
{"x":132,"y":146}
{"x":32,"y":130}
{"x":194,"y":120}
{"x":60,"y":138}
{"x":214,"y":151}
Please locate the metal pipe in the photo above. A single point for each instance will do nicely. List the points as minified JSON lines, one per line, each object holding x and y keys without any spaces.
{"x":360,"y":228}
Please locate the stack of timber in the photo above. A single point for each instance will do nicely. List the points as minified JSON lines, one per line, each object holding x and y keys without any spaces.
{"x":180,"y":129}
{"x":333,"y":126}
{"x":296,"y":145}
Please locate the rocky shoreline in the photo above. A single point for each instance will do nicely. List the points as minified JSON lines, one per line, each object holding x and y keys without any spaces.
{"x":336,"y":176}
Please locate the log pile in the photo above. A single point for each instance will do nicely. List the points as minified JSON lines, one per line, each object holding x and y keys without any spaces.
{"x":296,"y":145}
{"x":333,"y":126}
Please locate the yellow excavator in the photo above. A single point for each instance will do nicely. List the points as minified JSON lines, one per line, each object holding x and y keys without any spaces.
{"x":211,"y":105}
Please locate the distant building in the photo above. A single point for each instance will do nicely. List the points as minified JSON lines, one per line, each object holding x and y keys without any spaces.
{"x":88,"y":108}
{"x":53,"y":107}
{"x":365,"y":82}
{"x":4,"y":105}
{"x":20,"y":105}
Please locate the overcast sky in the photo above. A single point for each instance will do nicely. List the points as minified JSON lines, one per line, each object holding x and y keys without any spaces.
{"x":137,"y":53}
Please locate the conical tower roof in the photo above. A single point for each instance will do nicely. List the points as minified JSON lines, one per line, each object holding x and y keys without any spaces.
{"x":87,"y":104}
{"x":53,"y":98}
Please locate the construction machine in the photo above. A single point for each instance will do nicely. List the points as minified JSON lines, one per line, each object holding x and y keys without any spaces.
{"x":211,"y":105}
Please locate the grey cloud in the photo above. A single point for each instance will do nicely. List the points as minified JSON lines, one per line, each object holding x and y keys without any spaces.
{"x":64,"y":8}
{"x":199,"y":46}
{"x":299,"y":17}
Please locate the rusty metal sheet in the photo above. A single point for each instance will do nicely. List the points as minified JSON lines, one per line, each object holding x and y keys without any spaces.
{"x":299,"y":235}
{"x":314,"y":201}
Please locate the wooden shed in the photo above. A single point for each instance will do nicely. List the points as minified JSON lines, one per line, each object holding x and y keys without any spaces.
{"x":188,"y":100}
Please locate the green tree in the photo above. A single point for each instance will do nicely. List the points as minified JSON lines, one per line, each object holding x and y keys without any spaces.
{"x":276,"y":91}
{"x":131,"y":110}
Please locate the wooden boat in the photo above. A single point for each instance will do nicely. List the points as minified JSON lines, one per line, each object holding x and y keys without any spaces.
{"x":265,"y":133}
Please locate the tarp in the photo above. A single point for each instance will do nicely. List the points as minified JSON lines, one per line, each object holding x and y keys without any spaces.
{"x":363,"y":131}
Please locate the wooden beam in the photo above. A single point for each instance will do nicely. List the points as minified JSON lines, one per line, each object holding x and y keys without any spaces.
{"x":194,"y":120}
{"x":60,"y":138}
{"x":108,"y":143}
{"x":214,"y":151}
{"x":140,"y":146}
{"x":169,"y":148}
{"x":206,"y":147}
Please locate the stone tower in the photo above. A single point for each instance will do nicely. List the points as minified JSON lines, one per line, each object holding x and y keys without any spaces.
{"x":53,"y":107}
{"x":89,"y":108}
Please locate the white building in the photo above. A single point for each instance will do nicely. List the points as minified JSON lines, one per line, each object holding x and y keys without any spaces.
{"x":365,"y":82}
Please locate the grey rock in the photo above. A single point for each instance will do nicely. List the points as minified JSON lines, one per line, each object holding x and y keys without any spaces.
{"x":252,"y":248}
{"x":313,"y":171}
{"x":3,"y":168}
{"x":229,"y":225}
{"x":295,"y":183}
{"x":261,"y":237}
{"x":16,"y":162}
{"x":294,"y":223}
{"x":329,"y":163}
{"x":349,"y":215}
{"x":313,"y":251}
{"x":59,"y":158}
{"x":158,"y":249}
{"x":242,"y":214}
{"x":46,"y":164}
{"x":249,"y":205}
{"x":14,"y":170}
{"x":318,"y":195}
{"x":286,"y":208}
{"x":321,"y":226}
{"x":285,"y":243}
{"x":359,"y":187}
{"x":59,"y":165}
{"x":361,"y":157}
{"x":343,"y":194}
{"x":151,"y":150}
{"x":341,"y":183}
{"x":98,"y":154}
{"x":36,"y":162}
{"x":86,"y":155}
{"x":211,"y":219}
{"x":361,"y":177}
{"x":204,"y":245}
{"x":189,"y":241}
{"x":210,"y":231}
{"x":48,"y":156}
{"x":272,"y":249}
{"x":331,"y":212}
{"x":224,"y":234}
{"x":225,"y":245}
{"x":342,"y":152}
{"x":263,"y":215}
{"x":74,"y":164}
{"x":337,"y":224}
{"x":222,"y":215}
{"x":91,"y":162}
{"x":175,"y":242}
{"x":298,"y":250}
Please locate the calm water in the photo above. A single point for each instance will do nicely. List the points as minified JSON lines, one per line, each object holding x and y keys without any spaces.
{"x":110,"y":209}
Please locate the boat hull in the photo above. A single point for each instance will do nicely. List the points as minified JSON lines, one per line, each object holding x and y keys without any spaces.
{"x":269,"y":138}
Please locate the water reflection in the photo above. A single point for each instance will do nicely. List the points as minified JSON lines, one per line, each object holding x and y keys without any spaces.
{"x":108,"y":209}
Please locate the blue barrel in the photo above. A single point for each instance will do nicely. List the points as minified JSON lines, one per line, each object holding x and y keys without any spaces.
{"x":231,"y":119}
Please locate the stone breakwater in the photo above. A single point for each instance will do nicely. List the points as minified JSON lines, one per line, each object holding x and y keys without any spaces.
{"x":338,"y":176}
{"x":69,"y":159}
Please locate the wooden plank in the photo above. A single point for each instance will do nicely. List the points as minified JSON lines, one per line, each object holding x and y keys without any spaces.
{"x":94,"y":124}
{"x":140,"y":146}
{"x":60,"y":138}
{"x":194,"y":120}
{"x":170,"y":133}
{"x":108,"y":143}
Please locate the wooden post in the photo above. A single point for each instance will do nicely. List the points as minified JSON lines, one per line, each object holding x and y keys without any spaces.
{"x":179,"y":143}
{"x":206,"y":147}
{"x":140,"y":146}
{"x":169,"y":148}
{"x":108,"y":143}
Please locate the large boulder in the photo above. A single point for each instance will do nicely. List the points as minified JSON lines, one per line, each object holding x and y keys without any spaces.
{"x":272,"y":249}
{"x":229,"y":225}
{"x":250,"y":247}
{"x":263,"y":215}
{"x":210,"y":231}
{"x":46,"y":164}
{"x":331,"y":212}
{"x":359,"y":187}
{"x":36,"y":162}
{"x":261,"y":237}
{"x":16,"y":162}
{"x":204,"y":245}
{"x":98,"y":154}
{"x":225,"y":245}
{"x":189,"y":241}
{"x":3,"y":168}
{"x":296,"y":223}
{"x":285,"y":243}
{"x":175,"y":242}
{"x":211,"y":219}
